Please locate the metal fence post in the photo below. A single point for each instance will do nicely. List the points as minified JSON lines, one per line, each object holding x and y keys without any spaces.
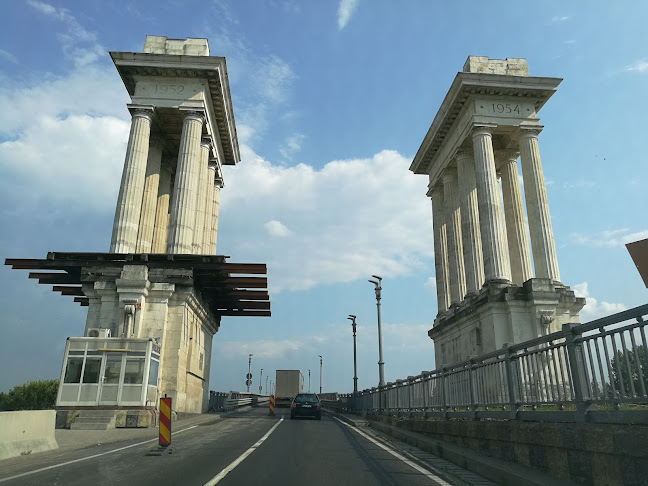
{"x":510,"y":381}
{"x":444,"y":392}
{"x":473,"y":405}
{"x":410,"y":386}
{"x":577,"y":370}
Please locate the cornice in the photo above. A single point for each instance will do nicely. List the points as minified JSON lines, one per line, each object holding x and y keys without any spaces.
{"x":210,"y":68}
{"x":465,"y":87}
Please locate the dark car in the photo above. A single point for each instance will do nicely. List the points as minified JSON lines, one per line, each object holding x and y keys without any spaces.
{"x":306,"y":405}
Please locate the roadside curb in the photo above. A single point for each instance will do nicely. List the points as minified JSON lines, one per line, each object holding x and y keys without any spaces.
{"x":496,"y":470}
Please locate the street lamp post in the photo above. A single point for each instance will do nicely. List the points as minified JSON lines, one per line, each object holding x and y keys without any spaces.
{"x":260,"y":381}
{"x":308,"y":381}
{"x":266,"y":388}
{"x":381,"y":363}
{"x":248,"y":381}
{"x":320,"y":357}
{"x":352,"y":318}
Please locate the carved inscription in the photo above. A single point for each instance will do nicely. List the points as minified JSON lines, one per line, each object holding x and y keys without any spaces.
{"x":509,"y":109}
{"x":167,"y":89}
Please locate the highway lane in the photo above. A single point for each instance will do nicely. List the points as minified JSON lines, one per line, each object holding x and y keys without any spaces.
{"x":231,"y":452}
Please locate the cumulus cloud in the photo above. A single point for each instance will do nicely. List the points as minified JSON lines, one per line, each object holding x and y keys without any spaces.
{"x":345,"y":10}
{"x":352,"y":215}
{"x":430,"y":284}
{"x":593,"y":308}
{"x":639,"y":66}
{"x":610,"y":238}
{"x":275,"y":228}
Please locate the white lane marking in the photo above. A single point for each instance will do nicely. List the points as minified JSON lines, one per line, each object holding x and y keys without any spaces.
{"x":423,"y":471}
{"x":89,"y":457}
{"x":216,"y":479}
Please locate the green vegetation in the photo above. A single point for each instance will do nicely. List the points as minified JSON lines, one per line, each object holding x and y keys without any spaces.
{"x":33,"y":395}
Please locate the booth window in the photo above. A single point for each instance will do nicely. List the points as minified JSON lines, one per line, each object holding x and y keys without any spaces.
{"x":73,"y":370}
{"x":153,"y":373}
{"x":91,"y":371}
{"x":134,"y":372}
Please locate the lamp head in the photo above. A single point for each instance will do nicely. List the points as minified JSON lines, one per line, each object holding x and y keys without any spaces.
{"x":377,"y":277}
{"x":374,"y":282}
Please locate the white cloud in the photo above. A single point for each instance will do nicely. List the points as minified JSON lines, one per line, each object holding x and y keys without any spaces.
{"x":76,"y":160}
{"x":345,"y":10}
{"x":610,"y":238}
{"x":640,"y":66}
{"x":78,"y":44}
{"x":260,"y":349}
{"x":559,"y":18}
{"x":594,"y":309}
{"x":8,"y":56}
{"x":430,"y":284}
{"x":348,"y":217}
{"x":275,"y":228}
{"x":293,"y":145}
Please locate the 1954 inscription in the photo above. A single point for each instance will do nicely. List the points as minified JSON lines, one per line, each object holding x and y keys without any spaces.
{"x":504,"y":108}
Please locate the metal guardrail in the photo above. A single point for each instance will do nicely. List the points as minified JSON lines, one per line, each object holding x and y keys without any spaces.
{"x":223,"y":402}
{"x":597,"y":371}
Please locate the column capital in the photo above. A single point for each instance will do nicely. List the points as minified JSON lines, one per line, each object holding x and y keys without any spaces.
{"x":506,"y":155}
{"x":482,"y":129}
{"x":193,"y":113}
{"x":435,"y":192}
{"x":141,"y":111}
{"x":206,"y":142}
{"x":449,"y":175}
{"x":212,"y":164}
{"x":530,"y":131}
{"x":218,"y":182}
{"x":463,"y":153}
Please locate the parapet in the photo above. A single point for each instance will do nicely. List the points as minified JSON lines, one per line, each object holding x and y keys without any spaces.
{"x":512,"y":66}
{"x":156,"y":44}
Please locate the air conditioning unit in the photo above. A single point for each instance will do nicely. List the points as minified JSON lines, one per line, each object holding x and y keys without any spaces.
{"x":98,"y":332}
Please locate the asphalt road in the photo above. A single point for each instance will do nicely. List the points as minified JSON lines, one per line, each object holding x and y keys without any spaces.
{"x":249,"y":449}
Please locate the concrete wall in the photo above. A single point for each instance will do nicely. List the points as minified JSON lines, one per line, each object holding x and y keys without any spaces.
{"x":26,"y":432}
{"x":597,"y":454}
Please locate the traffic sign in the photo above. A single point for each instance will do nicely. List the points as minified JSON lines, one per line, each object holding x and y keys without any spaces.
{"x":249,"y":376}
{"x":248,"y":382}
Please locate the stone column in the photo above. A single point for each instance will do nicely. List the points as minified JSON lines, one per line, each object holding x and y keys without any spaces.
{"x":472,"y":248}
{"x":516,"y":234}
{"x":491,"y":220}
{"x":201,"y":200}
{"x":209,"y":206}
{"x":440,"y":250}
{"x":131,"y":190}
{"x":218,"y":184}
{"x":161,"y":230}
{"x":183,"y":209}
{"x":537,"y":206}
{"x":149,"y":200}
{"x":456,"y":274}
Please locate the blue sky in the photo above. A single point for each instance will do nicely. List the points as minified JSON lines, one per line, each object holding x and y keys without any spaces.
{"x":332,"y":100}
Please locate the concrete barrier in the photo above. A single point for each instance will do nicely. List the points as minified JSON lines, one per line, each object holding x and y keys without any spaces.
{"x":26,"y":432}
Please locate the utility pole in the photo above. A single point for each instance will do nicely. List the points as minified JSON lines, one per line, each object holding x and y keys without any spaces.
{"x":308,"y":381}
{"x":248,"y":382}
{"x":352,"y":318}
{"x":381,"y":363}
{"x":260,"y":381}
{"x":320,"y":357}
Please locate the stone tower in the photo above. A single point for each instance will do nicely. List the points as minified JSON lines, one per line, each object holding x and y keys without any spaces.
{"x":488,"y":291}
{"x":156,"y":300}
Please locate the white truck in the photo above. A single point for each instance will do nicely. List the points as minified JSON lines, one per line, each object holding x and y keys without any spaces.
{"x":288,"y":383}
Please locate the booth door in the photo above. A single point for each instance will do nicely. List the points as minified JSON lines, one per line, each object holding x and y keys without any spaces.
{"x":112,"y":372}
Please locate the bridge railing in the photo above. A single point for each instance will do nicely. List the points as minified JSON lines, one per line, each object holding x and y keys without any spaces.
{"x":223,"y":401}
{"x":597,"y":371}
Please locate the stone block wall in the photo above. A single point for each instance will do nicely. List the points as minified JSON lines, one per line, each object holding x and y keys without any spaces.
{"x":585,"y":453}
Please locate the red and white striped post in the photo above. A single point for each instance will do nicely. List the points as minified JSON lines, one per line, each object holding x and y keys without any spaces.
{"x":165,"y":421}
